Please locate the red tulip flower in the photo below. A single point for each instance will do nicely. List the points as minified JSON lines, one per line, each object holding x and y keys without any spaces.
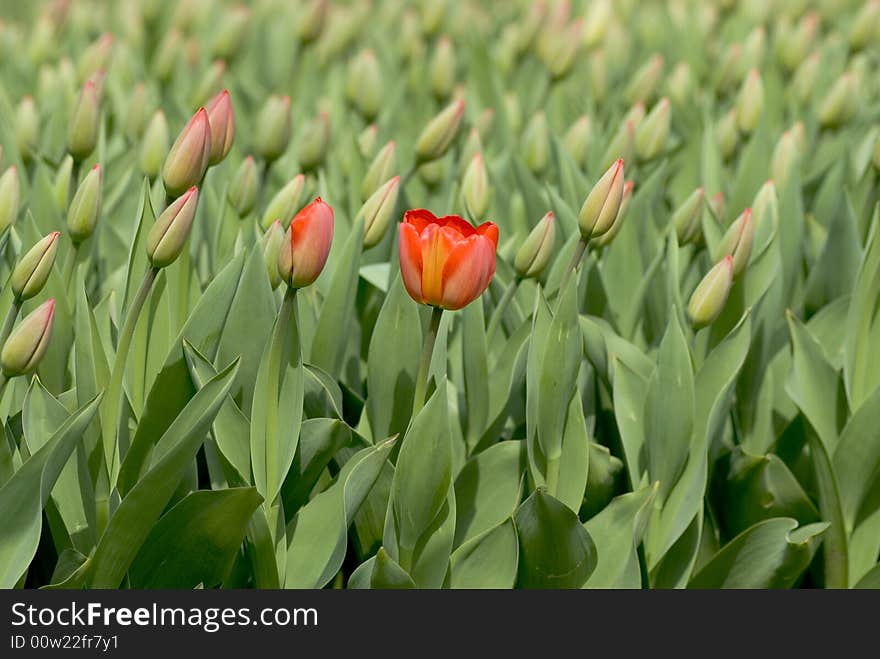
{"x":307,"y":244}
{"x":445,"y":261}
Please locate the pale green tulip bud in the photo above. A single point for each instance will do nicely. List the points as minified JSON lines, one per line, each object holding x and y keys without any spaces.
{"x":209,"y":84}
{"x":230,"y":33}
{"x":9,"y":198}
{"x":598,"y":75}
{"x":222,"y":121}
{"x":273,"y":128}
{"x":378,"y":211}
{"x":242,"y":193}
{"x":730,"y":69}
{"x":601,"y":206}
{"x":653,"y":132}
{"x":709,"y":297}
{"x":750,"y":102}
{"x":599,"y":15}
{"x":737,"y":242}
{"x":136,"y":116}
{"x":272,"y":241}
{"x":436,"y":137}
{"x":366,"y":140}
{"x":553,"y":26}
{"x":534,"y":254}
{"x":410,"y":39}
{"x":754,"y":48}
{"x":475,"y":187}
{"x":513,"y":112}
{"x":804,"y":80}
{"x":564,"y":50}
{"x":85,"y":208}
{"x":285,"y":203}
{"x":432,"y":173}
{"x":188,"y":159}
{"x":313,"y":20}
{"x":26,"y":128}
{"x":842,"y":102}
{"x":727,"y":134}
{"x":644,"y":81}
{"x":154,"y":146}
{"x":686,"y":218}
{"x":442,"y":69}
{"x":433,"y":16}
{"x":364,"y":86}
{"x":167,"y":236}
{"x":536,"y":143}
{"x":472,"y":146}
{"x":314,"y":143}
{"x":96,"y":56}
{"x":28,"y":342}
{"x":168,"y":54}
{"x":528,"y":28}
{"x":380,"y":170}
{"x":797,"y":43}
{"x":716,"y":205}
{"x":98,"y":78}
{"x":681,"y":84}
{"x":61,"y":184}
{"x":606,"y":238}
{"x":577,"y":139}
{"x":623,"y":142}
{"x":484,"y":123}
{"x":865,"y":25}
{"x":82,"y":130}
{"x":765,"y":213}
{"x":33,"y":269}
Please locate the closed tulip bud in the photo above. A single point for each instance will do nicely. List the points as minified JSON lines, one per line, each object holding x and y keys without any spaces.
{"x":804,"y":80}
{"x":554,"y":24}
{"x":432,"y":173}
{"x":167,"y":55}
{"x":380,"y":170}
{"x":765,"y":213}
{"x":378,"y":210}
{"x":96,"y":56}
{"x":530,"y":25}
{"x":686,"y":218}
{"x":754,"y":48}
{"x":188,"y":158}
{"x":793,"y":45}
{"x":306,"y":245}
{"x":85,"y":208}
{"x":681,"y":84}
{"x":273,"y":128}
{"x":315,"y":142}
{"x":865,"y":25}
{"x":842,"y":102}
{"x":534,"y":254}
{"x":599,"y":15}
{"x":471,"y":147}
{"x":230,"y":32}
{"x":221,"y":118}
{"x":653,"y":132}
{"x":602,"y":204}
{"x":436,"y":137}
{"x":716,"y":204}
{"x":727,"y":134}
{"x":366,"y":140}
{"x":483,"y":124}
{"x":136,"y":115}
{"x":410,"y":39}
{"x":82,"y":130}
{"x":564,"y":50}
{"x":598,"y":75}
{"x":9,"y":198}
{"x":737,"y":241}
{"x":786,"y":158}
{"x":26,"y":128}
{"x":32,"y":270}
{"x":876,"y":155}
{"x":644,"y":81}
{"x":730,"y":69}
{"x":272,"y":241}
{"x":475,"y":187}
{"x":209,"y":84}
{"x":313,"y":20}
{"x":442,"y":69}
{"x":242,"y":193}
{"x":536,"y":143}
{"x":364,"y":86}
{"x":750,"y":102}
{"x":61,"y":183}
{"x":623,"y":141}
{"x":154,"y":145}
{"x":577,"y":139}
{"x":285,"y":202}
{"x":27,"y":344}
{"x":709,"y":297}
{"x":607,"y":237}
{"x":167,"y":236}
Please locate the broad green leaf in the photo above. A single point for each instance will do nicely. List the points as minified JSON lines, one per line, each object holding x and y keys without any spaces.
{"x":575,"y":462}
{"x":319,"y":441}
{"x":488,"y":560}
{"x":474,"y":357}
{"x":857,"y":458}
{"x":834,"y":547}
{"x":387,"y":574}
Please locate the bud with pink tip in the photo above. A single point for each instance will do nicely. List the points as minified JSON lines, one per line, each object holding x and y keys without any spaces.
{"x":189,"y":156}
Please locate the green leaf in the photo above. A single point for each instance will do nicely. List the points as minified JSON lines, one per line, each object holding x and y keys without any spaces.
{"x":387,"y":574}
{"x":474,"y":357}
{"x":575,"y":462}
{"x":488,"y":560}
{"x":834,"y":549}
{"x":319,"y":441}
{"x":857,"y":458}
{"x":196,"y":541}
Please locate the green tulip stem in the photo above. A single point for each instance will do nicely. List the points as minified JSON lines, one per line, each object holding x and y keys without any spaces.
{"x":9,"y":323}
{"x":113,"y":400}
{"x":3,"y":382}
{"x":501,"y":308}
{"x":407,"y":175}
{"x":425,"y":365}
{"x":574,"y":263}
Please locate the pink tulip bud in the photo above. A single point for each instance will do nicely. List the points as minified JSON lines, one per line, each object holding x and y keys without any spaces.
{"x":307,"y":245}
{"x":189,"y":156}
{"x":222,"y":121}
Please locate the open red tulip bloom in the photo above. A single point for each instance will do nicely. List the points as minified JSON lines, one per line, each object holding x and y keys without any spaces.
{"x":445,"y":261}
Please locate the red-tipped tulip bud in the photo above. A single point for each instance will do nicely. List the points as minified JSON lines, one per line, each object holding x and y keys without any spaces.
{"x":865,"y":25}
{"x":750,"y":102}
{"x":230,"y":33}
{"x":445,"y":261}
{"x":307,"y":244}
{"x":272,"y":241}
{"x":61,"y":183}
{"x":686,"y":218}
{"x":471,"y":147}
{"x":804,"y":81}
{"x":26,"y":128}
{"x":536,"y":143}
{"x":188,"y":158}
{"x":85,"y":208}
{"x":243,"y":189}
{"x":484,"y":122}
{"x":577,"y":139}
{"x":222,"y":121}
{"x":364,"y":84}
{"x":378,"y":211}
{"x":366,"y":140}
{"x":285,"y":202}
{"x":727,"y":134}
{"x":606,"y":238}
{"x":442,"y":69}
{"x":475,"y":187}
{"x":154,"y":145}
{"x":730,"y":69}
{"x":653,"y":132}
{"x":716,"y":204}
{"x":315,"y":141}
{"x":599,"y":16}
{"x":136,"y":116}
{"x":27,"y":344}
{"x":82,"y":130}
{"x":168,"y":55}
{"x":623,"y":142}
{"x":564,"y":50}
{"x":535,"y":252}
{"x":32,"y":270}
{"x":644,"y":81}
{"x":737,"y":241}
{"x":786,"y":158}
{"x":9,"y":198}
{"x":681,"y":84}
{"x":765,"y":213}
{"x":273,"y":128}
{"x":436,"y":137}
{"x":380,"y":170}
{"x":842,"y":102}
{"x":167,"y":236}
{"x":96,"y":56}
{"x":755,"y":47}
{"x":709,"y":297}
{"x":602,"y":204}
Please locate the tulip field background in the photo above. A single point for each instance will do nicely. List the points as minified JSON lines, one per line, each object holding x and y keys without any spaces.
{"x":672,"y":380}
